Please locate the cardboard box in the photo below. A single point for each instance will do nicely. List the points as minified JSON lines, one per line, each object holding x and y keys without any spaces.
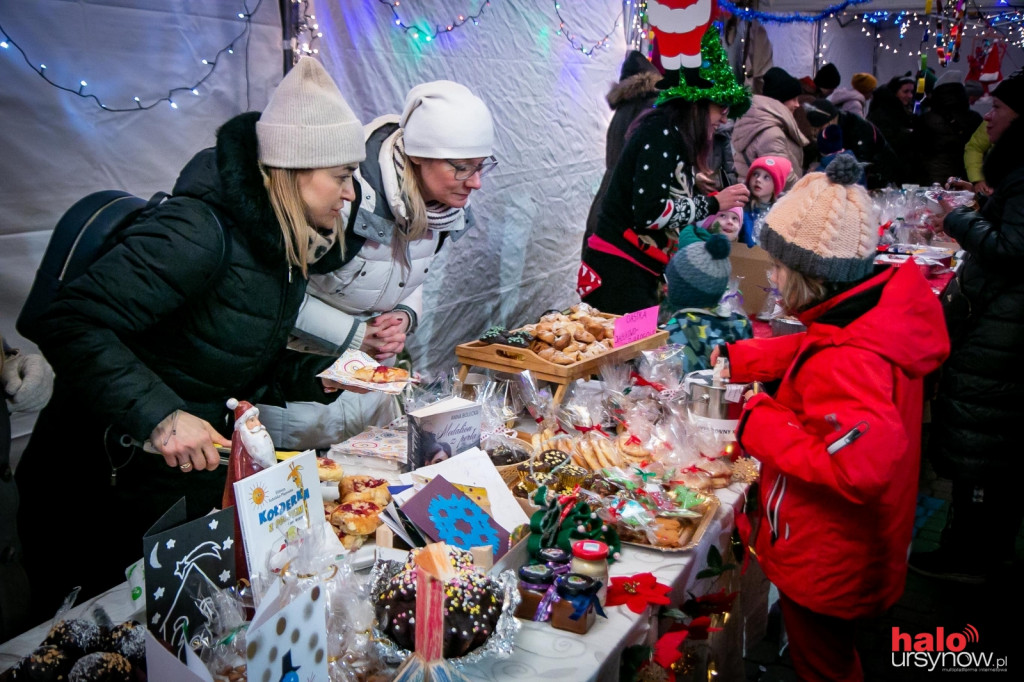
{"x":752,"y":265}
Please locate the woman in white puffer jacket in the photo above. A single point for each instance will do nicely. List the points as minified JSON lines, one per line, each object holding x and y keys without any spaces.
{"x":412,"y":196}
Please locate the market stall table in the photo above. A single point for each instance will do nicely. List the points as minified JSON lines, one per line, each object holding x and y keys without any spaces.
{"x":541,"y":652}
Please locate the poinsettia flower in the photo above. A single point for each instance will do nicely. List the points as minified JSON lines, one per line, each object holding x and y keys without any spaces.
{"x":715,"y":602}
{"x":666,"y":650}
{"x":700,"y":628}
{"x":637,"y":591}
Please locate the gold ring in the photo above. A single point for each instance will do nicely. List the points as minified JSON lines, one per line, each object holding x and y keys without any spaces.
{"x":187,"y":466}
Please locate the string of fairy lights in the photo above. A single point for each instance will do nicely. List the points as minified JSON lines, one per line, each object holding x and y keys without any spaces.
{"x":900,"y":32}
{"x":747,"y":14}
{"x":82,"y":88}
{"x":418,"y":32}
{"x":939,"y":35}
{"x":581,"y":45}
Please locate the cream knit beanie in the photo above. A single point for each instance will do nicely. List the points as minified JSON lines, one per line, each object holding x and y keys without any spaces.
{"x":826,"y":227}
{"x":444,"y":120}
{"x":308,"y":124}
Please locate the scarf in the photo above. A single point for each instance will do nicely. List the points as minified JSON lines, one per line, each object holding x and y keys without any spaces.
{"x":320,"y":242}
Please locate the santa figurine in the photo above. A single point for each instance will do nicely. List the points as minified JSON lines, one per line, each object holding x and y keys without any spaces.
{"x":252,"y":449}
{"x":678,"y":27}
{"x":253,"y":436}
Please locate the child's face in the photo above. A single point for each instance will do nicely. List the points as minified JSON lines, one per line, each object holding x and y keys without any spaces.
{"x":761,"y":186}
{"x":729,"y":222}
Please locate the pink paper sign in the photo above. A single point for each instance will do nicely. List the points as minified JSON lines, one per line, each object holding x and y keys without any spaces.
{"x":635,"y":326}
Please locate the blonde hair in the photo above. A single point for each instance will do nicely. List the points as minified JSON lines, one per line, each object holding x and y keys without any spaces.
{"x":415,"y":205}
{"x":286,"y":199}
{"x":415,"y":225}
{"x":799,"y":291}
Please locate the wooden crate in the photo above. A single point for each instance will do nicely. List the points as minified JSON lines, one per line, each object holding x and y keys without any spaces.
{"x":511,"y":359}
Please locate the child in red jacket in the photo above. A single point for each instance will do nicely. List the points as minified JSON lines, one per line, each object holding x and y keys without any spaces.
{"x":839,"y":442}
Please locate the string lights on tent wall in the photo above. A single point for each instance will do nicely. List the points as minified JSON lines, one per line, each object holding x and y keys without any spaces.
{"x":306,"y":32}
{"x":939,"y":35}
{"x":194,"y":89}
{"x":427,"y":34}
{"x":788,"y":17}
{"x":637,"y":26}
{"x":579,"y":44}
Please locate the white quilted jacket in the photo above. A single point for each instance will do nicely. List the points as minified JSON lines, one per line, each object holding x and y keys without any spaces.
{"x":333,"y":315}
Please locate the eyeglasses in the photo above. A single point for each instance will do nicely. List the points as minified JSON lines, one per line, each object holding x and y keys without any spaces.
{"x":464,"y":172}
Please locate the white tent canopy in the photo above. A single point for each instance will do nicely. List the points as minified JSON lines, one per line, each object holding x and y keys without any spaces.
{"x":546,"y":94}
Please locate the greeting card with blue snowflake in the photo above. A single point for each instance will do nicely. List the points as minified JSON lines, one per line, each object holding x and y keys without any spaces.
{"x":446,"y":514}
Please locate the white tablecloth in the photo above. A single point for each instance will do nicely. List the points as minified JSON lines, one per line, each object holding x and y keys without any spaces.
{"x":541,"y":652}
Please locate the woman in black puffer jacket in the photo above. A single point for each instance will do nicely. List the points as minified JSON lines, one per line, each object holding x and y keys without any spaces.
{"x":976,"y":417}
{"x":146,"y":346}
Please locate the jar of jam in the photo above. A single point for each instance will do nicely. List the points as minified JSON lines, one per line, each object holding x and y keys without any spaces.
{"x":590,"y":558}
{"x":570,"y":588}
{"x":534,"y":581}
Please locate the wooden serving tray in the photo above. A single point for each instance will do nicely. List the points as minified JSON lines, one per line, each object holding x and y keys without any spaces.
{"x":511,"y":359}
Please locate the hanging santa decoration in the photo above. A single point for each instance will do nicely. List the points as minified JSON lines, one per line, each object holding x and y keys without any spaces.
{"x":716,"y":80}
{"x":678,"y":26}
{"x":986,"y":64}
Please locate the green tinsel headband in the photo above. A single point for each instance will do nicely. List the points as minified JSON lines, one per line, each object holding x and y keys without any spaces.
{"x":725,"y":91}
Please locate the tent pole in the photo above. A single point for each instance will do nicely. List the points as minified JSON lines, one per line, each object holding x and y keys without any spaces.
{"x":289,"y":20}
{"x":817,"y":46}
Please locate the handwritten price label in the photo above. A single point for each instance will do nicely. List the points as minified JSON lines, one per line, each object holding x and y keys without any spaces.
{"x":635,"y":326}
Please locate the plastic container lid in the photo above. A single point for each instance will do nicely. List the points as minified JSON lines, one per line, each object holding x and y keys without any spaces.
{"x":537,"y":574}
{"x":555,"y":555}
{"x":571,"y":584}
{"x":590,"y":550}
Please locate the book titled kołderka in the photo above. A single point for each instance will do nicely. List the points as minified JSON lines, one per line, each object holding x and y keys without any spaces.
{"x":442,"y":430}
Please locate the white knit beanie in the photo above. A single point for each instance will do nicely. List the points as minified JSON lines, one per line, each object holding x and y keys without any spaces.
{"x":308,"y":124}
{"x":444,"y":120}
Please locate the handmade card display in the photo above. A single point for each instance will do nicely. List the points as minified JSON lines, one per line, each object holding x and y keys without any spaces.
{"x":442,"y":430}
{"x":186,"y":563}
{"x":287,"y":638}
{"x":273,"y":504}
{"x":446,"y":514}
{"x":474,"y":468}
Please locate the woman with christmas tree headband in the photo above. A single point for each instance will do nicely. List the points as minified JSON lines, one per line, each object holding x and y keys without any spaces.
{"x":653,"y":192}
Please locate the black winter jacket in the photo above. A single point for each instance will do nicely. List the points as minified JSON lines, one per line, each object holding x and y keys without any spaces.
{"x":141,"y":334}
{"x":868,"y":144}
{"x":977,"y":415}
{"x":942,"y":133}
{"x":137,"y":336}
{"x":886,"y":112}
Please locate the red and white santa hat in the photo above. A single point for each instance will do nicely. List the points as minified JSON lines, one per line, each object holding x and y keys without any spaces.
{"x":243,"y":410}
